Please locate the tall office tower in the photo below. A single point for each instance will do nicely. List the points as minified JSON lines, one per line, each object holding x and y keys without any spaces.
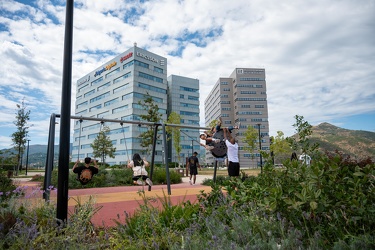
{"x":242,"y":97}
{"x":113,"y":91}
{"x":183,"y":99}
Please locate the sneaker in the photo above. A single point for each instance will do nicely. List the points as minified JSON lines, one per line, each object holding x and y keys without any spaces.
{"x":210,"y":147}
{"x":216,"y":140}
{"x":193,"y":184}
{"x":238,"y":125}
{"x":220,"y":121}
{"x":190,"y":182}
{"x":139,"y":182}
{"x":149,"y":182}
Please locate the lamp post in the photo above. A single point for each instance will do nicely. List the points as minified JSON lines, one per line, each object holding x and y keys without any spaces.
{"x":27,"y":154}
{"x":192,"y":148}
{"x":260,"y":148}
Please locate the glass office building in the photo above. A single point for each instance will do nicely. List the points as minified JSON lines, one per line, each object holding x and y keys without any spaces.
{"x":241,"y":97}
{"x":114,"y":91}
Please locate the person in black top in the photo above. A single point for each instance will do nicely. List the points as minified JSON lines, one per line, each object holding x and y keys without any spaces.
{"x":85,"y":172}
{"x":193,"y":165}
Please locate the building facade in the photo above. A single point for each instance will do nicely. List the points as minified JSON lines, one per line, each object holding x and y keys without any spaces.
{"x":183,"y":99}
{"x":113,"y":91}
{"x":241,"y":97}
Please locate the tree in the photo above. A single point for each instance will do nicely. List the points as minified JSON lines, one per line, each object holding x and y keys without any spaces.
{"x":280,"y":147}
{"x":152,"y":115}
{"x":102,"y":145}
{"x":175,"y":118}
{"x":20,"y":136}
{"x":301,"y":140}
{"x":250,"y":139}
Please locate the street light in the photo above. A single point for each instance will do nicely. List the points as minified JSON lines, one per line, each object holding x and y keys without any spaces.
{"x":260,"y":148}
{"x":192,"y":149}
{"x":27,"y":155}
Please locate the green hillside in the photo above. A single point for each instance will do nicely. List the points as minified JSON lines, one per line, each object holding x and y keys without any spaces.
{"x":356,"y":143}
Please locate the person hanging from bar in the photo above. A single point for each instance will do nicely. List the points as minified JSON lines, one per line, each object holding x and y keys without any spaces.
{"x":208,"y":136}
{"x":85,"y":172}
{"x":140,"y":175}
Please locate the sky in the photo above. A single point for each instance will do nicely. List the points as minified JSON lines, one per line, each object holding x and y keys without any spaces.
{"x":319,"y":55}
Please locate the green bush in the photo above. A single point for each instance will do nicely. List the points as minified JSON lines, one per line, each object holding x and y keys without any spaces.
{"x":329,"y":205}
{"x":115,"y":177}
{"x":6,"y":167}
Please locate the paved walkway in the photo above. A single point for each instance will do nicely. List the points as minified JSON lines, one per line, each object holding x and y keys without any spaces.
{"x":116,"y":202}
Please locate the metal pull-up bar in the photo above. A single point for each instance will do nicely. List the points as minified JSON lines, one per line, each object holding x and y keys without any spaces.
{"x":63,"y":179}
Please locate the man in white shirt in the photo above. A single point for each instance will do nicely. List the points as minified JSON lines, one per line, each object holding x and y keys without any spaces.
{"x":232,"y":153}
{"x":305,"y":159}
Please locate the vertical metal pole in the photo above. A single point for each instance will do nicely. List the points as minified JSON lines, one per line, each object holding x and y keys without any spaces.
{"x":215,"y":169}
{"x":166,"y":160}
{"x":27,"y":154}
{"x":79,"y":138}
{"x":153,"y":153}
{"x":49,"y":159}
{"x":63,"y":166}
{"x":260,"y":148}
{"x":192,"y":148}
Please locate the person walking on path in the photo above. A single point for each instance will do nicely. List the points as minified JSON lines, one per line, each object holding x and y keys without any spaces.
{"x":140,"y":175}
{"x":305,"y":159}
{"x":193,"y":164}
{"x":232,"y":153}
{"x":85,"y":172}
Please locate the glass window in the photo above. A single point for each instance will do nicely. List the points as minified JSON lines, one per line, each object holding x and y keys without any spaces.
{"x":83,"y":87}
{"x":150,"y":77}
{"x":121,"y":88}
{"x":97,"y":81}
{"x":96,"y":107}
{"x":90,"y":93}
{"x":149,"y":87}
{"x":119,"y":109}
{"x":110,"y":102}
{"x":97,"y":98}
{"x":80,"y":105}
{"x":142,"y":64}
{"x":193,"y":98}
{"x":188,"y":89}
{"x":159,"y":70}
{"x":112,"y":73}
{"x":105,"y":85}
{"x":121,"y":78}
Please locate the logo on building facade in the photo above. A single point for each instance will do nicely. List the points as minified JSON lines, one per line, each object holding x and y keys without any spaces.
{"x":150,"y":58}
{"x":107,"y":67}
{"x":124,"y":58}
{"x":84,"y":80}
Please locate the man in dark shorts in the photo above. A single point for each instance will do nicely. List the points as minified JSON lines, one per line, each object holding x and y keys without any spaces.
{"x":232,"y":153}
{"x":85,"y":172}
{"x":193,"y":165}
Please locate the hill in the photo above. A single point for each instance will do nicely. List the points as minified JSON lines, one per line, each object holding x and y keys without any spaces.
{"x":356,"y":143}
{"x":37,"y":154}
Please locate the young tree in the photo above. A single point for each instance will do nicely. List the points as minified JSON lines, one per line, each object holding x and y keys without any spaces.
{"x":301,"y":140}
{"x":102,"y":145}
{"x":152,"y":115}
{"x":175,"y":118}
{"x":20,"y":136}
{"x":280,"y":147}
{"x":250,"y":138}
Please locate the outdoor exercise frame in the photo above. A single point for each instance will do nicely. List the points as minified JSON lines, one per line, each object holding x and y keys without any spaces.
{"x":63,"y":183}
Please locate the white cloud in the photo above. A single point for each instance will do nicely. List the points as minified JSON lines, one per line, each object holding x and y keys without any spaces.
{"x":318,"y":55}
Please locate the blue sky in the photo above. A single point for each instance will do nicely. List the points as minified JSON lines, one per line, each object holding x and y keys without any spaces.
{"x":319,"y":55}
